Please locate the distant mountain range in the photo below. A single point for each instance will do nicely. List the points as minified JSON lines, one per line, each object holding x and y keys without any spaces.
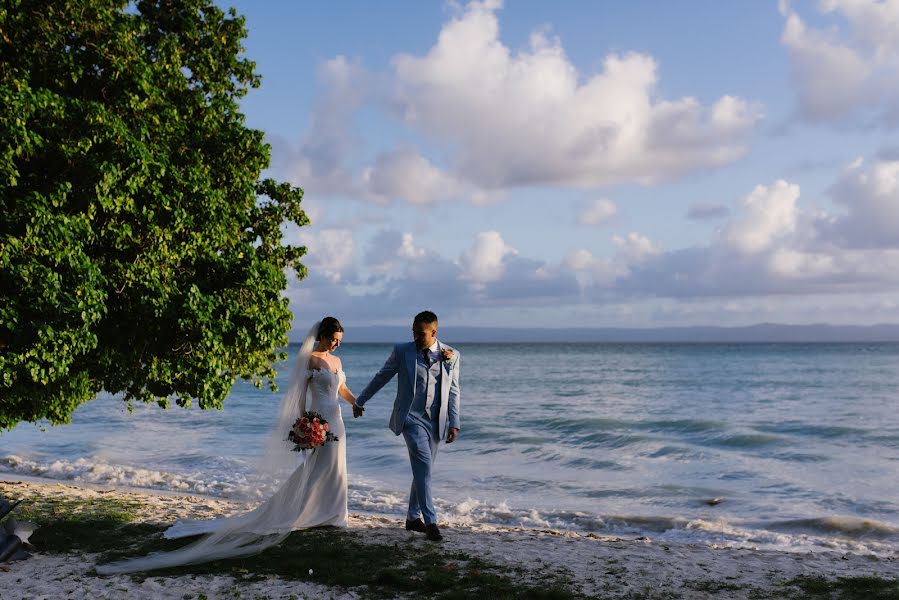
{"x":761,"y":333}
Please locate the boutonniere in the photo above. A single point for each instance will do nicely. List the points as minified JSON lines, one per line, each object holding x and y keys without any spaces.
{"x":447,"y":356}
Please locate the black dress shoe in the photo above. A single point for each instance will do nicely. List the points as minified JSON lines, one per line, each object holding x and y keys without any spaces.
{"x":416,"y":525}
{"x":432,"y":532}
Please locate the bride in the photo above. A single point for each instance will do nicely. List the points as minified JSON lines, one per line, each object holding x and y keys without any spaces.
{"x":315,"y":492}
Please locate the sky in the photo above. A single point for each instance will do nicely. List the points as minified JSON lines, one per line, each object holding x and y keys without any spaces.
{"x":586,"y":164}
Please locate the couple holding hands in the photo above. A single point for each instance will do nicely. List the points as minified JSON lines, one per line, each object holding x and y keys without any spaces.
{"x":425,"y":412}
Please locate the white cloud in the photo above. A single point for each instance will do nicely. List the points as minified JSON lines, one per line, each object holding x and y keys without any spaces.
{"x":846,"y":72}
{"x":399,"y":275}
{"x":330,"y":252}
{"x":632,"y":249}
{"x":530,"y":118}
{"x":408,"y":249}
{"x":580,"y":260}
{"x":390,"y":251}
{"x":405,"y":174}
{"x":600,"y":269}
{"x":795,"y":264}
{"x":875,"y":25}
{"x":871,"y":198}
{"x":774,"y":247}
{"x":599,"y":212}
{"x":527,"y":282}
{"x":832,"y":77}
{"x":635,"y":247}
{"x":485,"y":260}
{"x":769,"y":214}
{"x":770,"y":251}
{"x":319,"y":164}
{"x":496,"y":119}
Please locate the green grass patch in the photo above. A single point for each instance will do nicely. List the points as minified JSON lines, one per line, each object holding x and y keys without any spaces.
{"x":339,"y":558}
{"x":42,"y":510}
{"x":88,"y":525}
{"x":336,"y":557}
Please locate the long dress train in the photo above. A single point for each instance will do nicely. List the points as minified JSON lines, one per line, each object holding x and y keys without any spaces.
{"x":314,"y":495}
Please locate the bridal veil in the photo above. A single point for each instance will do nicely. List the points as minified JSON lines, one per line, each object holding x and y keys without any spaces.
{"x":254,"y":531}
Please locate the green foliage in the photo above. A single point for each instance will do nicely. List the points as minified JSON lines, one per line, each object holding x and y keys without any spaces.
{"x":139,"y":251}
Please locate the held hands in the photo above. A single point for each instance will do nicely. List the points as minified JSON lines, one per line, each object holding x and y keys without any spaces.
{"x":451,"y":435}
{"x":358,"y":411}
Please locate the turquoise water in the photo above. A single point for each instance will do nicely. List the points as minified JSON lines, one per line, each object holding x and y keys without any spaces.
{"x":790,"y":446}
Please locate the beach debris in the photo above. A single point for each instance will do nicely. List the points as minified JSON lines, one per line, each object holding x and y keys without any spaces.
{"x":13,"y":534}
{"x":6,"y":506}
{"x":15,"y":537}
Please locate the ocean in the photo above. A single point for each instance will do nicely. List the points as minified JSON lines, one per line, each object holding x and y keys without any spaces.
{"x":790,"y":447}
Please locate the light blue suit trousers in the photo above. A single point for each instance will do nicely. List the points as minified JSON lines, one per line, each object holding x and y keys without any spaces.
{"x":422,"y":432}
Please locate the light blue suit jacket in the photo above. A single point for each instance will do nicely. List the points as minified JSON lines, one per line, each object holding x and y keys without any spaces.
{"x":402,"y":364}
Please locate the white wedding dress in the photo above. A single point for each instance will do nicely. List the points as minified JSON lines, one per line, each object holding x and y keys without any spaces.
{"x":314,"y":495}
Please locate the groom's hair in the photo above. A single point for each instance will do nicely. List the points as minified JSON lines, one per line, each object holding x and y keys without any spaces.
{"x":426,"y":317}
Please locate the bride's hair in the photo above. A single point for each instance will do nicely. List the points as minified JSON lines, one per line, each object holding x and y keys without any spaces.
{"x":328,"y":327}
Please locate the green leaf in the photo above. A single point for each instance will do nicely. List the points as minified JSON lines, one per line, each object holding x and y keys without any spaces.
{"x":140,"y":252}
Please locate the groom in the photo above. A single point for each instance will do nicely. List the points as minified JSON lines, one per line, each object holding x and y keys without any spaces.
{"x":426,"y":410}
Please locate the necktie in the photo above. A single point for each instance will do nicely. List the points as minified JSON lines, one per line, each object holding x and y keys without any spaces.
{"x":426,"y":355}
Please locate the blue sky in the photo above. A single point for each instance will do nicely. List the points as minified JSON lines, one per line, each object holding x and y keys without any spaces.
{"x":536,"y":164}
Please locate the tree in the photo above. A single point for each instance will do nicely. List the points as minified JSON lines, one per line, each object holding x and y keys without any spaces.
{"x":140,"y":253}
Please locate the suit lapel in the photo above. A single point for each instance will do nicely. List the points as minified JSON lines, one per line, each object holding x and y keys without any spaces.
{"x":411,"y":357}
{"x":444,"y":376}
{"x":445,"y":364}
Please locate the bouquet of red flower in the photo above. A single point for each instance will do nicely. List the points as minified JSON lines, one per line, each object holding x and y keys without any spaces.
{"x":309,"y":432}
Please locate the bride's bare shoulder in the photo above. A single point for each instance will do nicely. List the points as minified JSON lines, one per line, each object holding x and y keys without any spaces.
{"x":320,"y":363}
{"x":317,"y":362}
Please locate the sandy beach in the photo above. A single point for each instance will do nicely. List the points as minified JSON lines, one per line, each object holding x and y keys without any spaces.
{"x":594,"y":565}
